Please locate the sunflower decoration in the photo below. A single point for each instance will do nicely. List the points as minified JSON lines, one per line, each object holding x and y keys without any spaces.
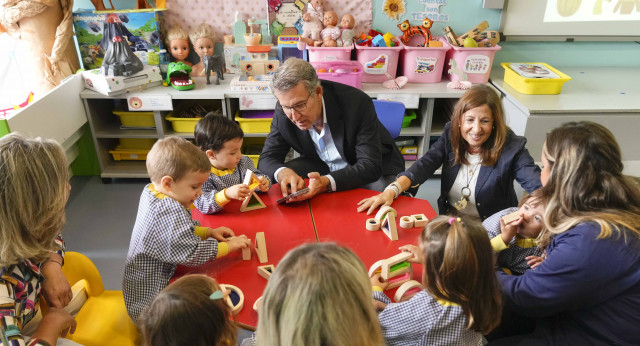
{"x":394,"y":9}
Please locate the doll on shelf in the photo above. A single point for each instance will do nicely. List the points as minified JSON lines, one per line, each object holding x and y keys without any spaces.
{"x":312,"y":25}
{"x":203,"y":40}
{"x":347,"y":34}
{"x":331,"y":33}
{"x":178,"y":42}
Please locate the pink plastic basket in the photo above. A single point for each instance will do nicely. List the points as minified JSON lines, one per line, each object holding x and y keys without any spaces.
{"x":377,"y":62}
{"x":424,"y":64}
{"x":345,"y":72}
{"x":474,"y":62}
{"x":329,"y":53}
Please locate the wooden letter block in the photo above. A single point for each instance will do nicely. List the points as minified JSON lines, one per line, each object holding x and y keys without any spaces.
{"x":261,"y":247}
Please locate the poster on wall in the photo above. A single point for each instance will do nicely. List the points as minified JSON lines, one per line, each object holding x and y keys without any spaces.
{"x":285,"y":17}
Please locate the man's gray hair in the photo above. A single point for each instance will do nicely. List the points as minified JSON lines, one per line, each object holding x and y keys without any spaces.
{"x":292,"y":72}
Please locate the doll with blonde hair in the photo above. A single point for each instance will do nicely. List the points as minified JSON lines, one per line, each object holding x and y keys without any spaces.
{"x":178,"y":42}
{"x":318,"y":295}
{"x":203,"y":39}
{"x":34,"y":187}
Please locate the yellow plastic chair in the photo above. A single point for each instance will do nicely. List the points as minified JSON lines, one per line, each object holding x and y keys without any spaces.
{"x":103,"y":319}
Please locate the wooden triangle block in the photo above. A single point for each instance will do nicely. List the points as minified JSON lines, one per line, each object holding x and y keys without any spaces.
{"x":266,"y":271}
{"x":252,"y":202}
{"x":261,"y":247}
{"x":387,"y":218}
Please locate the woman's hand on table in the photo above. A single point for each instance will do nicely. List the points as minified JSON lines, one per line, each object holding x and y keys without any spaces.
{"x":220,"y":233}
{"x":55,"y":287}
{"x":372,"y":203}
{"x":238,"y":243}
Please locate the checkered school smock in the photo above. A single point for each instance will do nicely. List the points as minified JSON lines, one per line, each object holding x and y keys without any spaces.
{"x":163,"y":237}
{"x":423,"y":320}
{"x":220,"y":180}
{"x":514,"y":257}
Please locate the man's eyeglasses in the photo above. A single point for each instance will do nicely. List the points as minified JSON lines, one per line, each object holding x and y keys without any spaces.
{"x":299,"y":108}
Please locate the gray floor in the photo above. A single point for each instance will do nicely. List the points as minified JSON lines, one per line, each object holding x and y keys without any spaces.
{"x":100,"y":218}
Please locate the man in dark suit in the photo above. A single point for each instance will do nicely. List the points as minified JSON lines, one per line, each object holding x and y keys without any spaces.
{"x":335,"y":129}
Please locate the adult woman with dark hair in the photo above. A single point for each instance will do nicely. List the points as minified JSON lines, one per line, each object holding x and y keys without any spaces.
{"x":480,"y":158}
{"x":587,"y":290}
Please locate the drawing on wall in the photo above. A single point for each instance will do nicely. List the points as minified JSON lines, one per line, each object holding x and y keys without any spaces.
{"x":394,"y":9}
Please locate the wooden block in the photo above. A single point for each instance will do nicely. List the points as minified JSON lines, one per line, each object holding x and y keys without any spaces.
{"x":407,"y":221}
{"x":435,"y":44}
{"x":237,"y":306}
{"x":372,"y":225}
{"x":252,"y":202}
{"x":398,"y":280}
{"x":387,"y":218}
{"x":246,"y":252}
{"x":473,"y":33}
{"x":375,"y":268}
{"x":451,"y":36}
{"x":389,"y":262}
{"x":256,"y":305}
{"x":261,"y":247}
{"x":266,"y":271}
{"x":511,"y":217}
{"x":490,"y":35}
{"x":407,"y":290}
{"x":420,"y":220}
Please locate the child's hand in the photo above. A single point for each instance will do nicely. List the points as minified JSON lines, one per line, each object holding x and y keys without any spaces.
{"x":377,"y":280}
{"x":508,"y":231}
{"x":534,"y":261}
{"x":220,"y":233}
{"x":239,"y":191}
{"x":264,"y":184}
{"x":417,"y":254}
{"x":239,"y":242}
{"x":378,"y":305}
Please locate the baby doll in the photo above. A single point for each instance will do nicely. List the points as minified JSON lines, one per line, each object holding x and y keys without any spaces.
{"x":178,"y":42}
{"x":202,"y":38}
{"x":346,"y":24}
{"x":331,"y":32}
{"x":312,"y":24}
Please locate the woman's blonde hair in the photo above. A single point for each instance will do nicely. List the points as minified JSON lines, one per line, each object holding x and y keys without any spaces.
{"x":478,"y":96}
{"x":34,"y":181}
{"x":200,"y":31}
{"x":586,"y":181}
{"x":318,"y":295}
{"x":184,"y":314}
{"x":458,"y":267}
{"x":175,"y":157}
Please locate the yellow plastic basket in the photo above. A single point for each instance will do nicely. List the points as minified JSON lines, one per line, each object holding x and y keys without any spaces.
{"x":182,"y":124}
{"x":137,"y":143}
{"x":534,"y":86}
{"x":129,"y":154}
{"x":258,"y":125}
{"x":136,"y":119}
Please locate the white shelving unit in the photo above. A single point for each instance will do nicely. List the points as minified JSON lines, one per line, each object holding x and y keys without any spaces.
{"x":105,"y":126}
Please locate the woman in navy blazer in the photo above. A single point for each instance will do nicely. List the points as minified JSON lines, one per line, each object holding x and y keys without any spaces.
{"x":491,"y":157}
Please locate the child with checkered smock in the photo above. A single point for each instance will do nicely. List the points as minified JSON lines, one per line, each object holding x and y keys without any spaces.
{"x":165,"y":235}
{"x":461,"y":300}
{"x":518,"y":243}
{"x":221,"y":140}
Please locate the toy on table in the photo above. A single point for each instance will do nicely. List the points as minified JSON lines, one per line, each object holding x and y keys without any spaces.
{"x":178,"y":76}
{"x":396,"y":270}
{"x":203,"y":38}
{"x":346,"y":36}
{"x":252,"y":38}
{"x":288,"y":47}
{"x":407,"y":290}
{"x":214,"y":63}
{"x":119,"y":59}
{"x":252,"y":202}
{"x":261,"y":247}
{"x":266,"y":270}
{"x":235,"y":299}
{"x":239,"y":29}
{"x":386,"y":219}
{"x":331,"y":33}
{"x":178,"y":42}
{"x":409,"y":31}
{"x":264,"y":30}
{"x":312,"y":24}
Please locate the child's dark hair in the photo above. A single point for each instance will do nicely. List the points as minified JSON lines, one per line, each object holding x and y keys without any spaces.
{"x":214,"y":130}
{"x":458,"y":267}
{"x":183,"y":314}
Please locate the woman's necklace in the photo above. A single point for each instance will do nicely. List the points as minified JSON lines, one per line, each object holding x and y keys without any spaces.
{"x":466,"y":191}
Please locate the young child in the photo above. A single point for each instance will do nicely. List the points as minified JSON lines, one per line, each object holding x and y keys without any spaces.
{"x":190,"y":311}
{"x":203,"y":39}
{"x":221,"y":139}
{"x":461,"y":300}
{"x":318,"y":295}
{"x":519,"y":244}
{"x":165,"y":234}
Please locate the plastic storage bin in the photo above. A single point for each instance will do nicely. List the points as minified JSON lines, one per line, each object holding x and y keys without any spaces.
{"x":252,"y":147}
{"x":136,"y":119}
{"x":378,"y":62}
{"x":129,"y":154}
{"x":182,"y":124}
{"x":345,"y":72}
{"x":536,"y":86}
{"x":329,"y":53}
{"x":474,"y":62}
{"x":255,"y":121}
{"x":424,"y":64}
{"x":137,"y":143}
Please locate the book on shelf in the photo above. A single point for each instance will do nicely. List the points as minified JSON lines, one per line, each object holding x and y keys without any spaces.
{"x":412,"y":149}
{"x":410,"y":157}
{"x":285,"y":17}
{"x":404,"y":142}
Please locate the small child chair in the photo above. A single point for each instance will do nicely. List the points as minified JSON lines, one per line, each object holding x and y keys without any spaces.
{"x":103,"y":319}
{"x":390,"y":114}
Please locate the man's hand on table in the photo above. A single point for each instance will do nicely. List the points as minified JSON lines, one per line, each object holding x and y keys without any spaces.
{"x":290,"y":182}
